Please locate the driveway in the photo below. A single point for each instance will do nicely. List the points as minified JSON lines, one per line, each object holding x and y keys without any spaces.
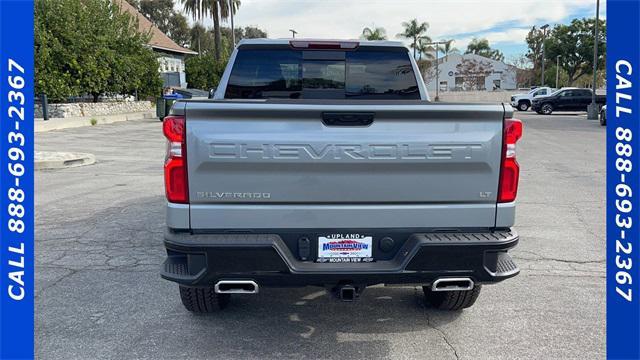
{"x":99,"y":246}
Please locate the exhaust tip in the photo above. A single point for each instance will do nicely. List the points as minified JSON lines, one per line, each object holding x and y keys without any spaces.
{"x":452,"y":284}
{"x":236,"y":287}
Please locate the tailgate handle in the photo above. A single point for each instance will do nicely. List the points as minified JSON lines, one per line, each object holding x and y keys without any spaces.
{"x":347,"y":118}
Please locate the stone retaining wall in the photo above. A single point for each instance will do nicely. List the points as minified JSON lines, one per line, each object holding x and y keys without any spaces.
{"x":95,"y":109}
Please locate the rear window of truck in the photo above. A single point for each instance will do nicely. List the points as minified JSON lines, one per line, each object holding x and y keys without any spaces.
{"x":293,"y":74}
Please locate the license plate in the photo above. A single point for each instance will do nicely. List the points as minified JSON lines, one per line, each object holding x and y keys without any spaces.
{"x":345,"y":248}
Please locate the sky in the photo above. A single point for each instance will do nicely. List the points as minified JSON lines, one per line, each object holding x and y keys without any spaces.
{"x":504,"y":23}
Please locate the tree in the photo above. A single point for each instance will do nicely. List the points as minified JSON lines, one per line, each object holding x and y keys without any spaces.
{"x":525,"y":76}
{"x":481,"y":47}
{"x":376,"y":33}
{"x":447,"y":48}
{"x":473,"y":73}
{"x":477,"y":46}
{"x":252,"y":32}
{"x":428,"y":70}
{"x":203,"y":72}
{"x":201,"y":39}
{"x":91,"y":47}
{"x":179,"y":29}
{"x":225,"y":11}
{"x":218,"y":10}
{"x":415,"y":31}
{"x":248,"y":32}
{"x":226,"y":36}
{"x":159,"y":12}
{"x":574,"y":44}
{"x":534,"y":54}
{"x":425,"y":49}
{"x":195,"y":9}
{"x":165,"y":18}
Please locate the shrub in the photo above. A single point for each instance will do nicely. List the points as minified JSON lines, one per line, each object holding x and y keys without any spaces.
{"x":91,"y":47}
{"x":203,"y":72}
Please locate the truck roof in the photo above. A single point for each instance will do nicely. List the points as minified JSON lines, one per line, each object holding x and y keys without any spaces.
{"x":286,"y":41}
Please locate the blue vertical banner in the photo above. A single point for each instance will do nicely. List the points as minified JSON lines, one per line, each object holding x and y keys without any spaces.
{"x":16,"y":179}
{"x":623,"y":182}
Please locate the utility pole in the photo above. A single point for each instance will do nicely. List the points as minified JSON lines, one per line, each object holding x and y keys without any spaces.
{"x":437,"y":74}
{"x":592,"y":111}
{"x":557,"y":70}
{"x":293,"y":33}
{"x":544,"y":35}
{"x":436,"y":44}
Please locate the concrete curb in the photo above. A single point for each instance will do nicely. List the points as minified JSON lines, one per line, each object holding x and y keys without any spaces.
{"x":74,"y":122}
{"x":60,"y":160}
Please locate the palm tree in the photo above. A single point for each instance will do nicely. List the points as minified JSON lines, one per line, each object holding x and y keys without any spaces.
{"x":225,"y":11}
{"x":478,"y":46}
{"x":481,"y":47}
{"x":377,"y":33}
{"x":425,"y":49}
{"x":414,"y":31}
{"x":447,"y":49}
{"x":194,"y":8}
{"x":217,"y":9}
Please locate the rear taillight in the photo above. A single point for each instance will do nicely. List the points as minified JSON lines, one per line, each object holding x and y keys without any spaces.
{"x":175,"y":165}
{"x":510,"y":170}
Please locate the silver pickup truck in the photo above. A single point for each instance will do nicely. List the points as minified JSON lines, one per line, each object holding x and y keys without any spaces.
{"x":323,"y":163}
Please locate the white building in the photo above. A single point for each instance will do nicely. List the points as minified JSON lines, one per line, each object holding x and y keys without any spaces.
{"x":458,"y":72}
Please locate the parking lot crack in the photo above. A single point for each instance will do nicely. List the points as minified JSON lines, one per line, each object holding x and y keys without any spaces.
{"x":443,"y":335}
{"x":71,"y":272}
{"x":539,"y":257}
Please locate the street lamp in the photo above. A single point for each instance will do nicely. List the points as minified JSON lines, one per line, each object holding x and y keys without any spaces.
{"x":592,"y":110}
{"x":437,"y":43}
{"x":544,"y":35}
{"x":293,"y":33}
{"x":557,"y":70}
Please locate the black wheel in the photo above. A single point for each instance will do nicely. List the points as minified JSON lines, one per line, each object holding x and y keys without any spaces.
{"x":547,"y":109}
{"x":451,"y":300}
{"x":523,"y":106}
{"x":539,"y":112}
{"x":202,"y":300}
{"x":603,"y":118}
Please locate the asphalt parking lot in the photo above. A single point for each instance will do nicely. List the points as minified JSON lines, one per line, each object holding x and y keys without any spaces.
{"x":99,"y":246}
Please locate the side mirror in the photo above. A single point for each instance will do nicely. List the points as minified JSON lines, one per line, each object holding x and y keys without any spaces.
{"x":212,"y":91}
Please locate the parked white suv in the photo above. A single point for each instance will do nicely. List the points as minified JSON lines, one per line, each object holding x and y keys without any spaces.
{"x":522,"y":102}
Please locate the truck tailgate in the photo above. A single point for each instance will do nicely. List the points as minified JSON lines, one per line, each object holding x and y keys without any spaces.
{"x":416,"y":165}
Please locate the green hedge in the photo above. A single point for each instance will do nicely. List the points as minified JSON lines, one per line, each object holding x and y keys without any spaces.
{"x":91,"y":47}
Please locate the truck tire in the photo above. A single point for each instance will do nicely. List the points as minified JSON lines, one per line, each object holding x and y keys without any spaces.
{"x":523,"y":105}
{"x":451,"y":300}
{"x":202,"y":300}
